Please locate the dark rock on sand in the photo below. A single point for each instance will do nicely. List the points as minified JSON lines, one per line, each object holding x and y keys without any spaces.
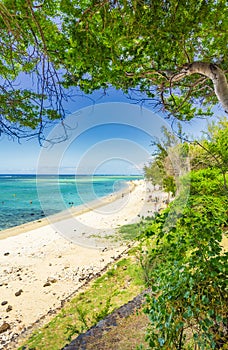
{"x":4,"y":302}
{"x":9,"y":308}
{"x":52,"y":280}
{"x":47,"y":284}
{"x":17,"y":294}
{"x":4,"y":327}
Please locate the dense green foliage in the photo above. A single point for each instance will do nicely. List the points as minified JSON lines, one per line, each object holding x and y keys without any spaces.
{"x":212,"y":150}
{"x":138,"y":43}
{"x":170,"y":161}
{"x":30,"y":93}
{"x":135,"y":45}
{"x":186,"y":266}
{"x":173,"y":158}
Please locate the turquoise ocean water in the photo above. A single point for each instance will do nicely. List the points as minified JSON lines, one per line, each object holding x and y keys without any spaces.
{"x":25,"y":198}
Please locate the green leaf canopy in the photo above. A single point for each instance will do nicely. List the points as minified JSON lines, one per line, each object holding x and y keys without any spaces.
{"x":174,"y":52}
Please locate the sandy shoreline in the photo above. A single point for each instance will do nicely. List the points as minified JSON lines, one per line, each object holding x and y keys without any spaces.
{"x":73,"y":211}
{"x":43,"y":265}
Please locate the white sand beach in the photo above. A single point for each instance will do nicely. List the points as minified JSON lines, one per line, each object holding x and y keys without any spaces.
{"x":45,"y":262}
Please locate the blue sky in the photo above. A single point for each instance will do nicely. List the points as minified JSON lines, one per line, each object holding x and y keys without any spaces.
{"x":119,"y":144}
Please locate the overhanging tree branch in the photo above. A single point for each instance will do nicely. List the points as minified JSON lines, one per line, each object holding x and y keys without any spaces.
{"x":213,"y":72}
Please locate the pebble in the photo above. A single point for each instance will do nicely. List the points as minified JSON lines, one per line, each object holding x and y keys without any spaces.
{"x":17,"y":294}
{"x":9,"y":308}
{"x":4,"y":327}
{"x":4,"y":303}
{"x":47,"y":284}
{"x":52,"y":280}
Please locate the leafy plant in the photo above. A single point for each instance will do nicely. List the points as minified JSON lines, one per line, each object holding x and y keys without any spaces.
{"x":186,"y":268}
{"x":103,"y":312}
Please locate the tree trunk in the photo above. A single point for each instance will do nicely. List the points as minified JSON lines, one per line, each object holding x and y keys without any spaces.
{"x":211,"y":71}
